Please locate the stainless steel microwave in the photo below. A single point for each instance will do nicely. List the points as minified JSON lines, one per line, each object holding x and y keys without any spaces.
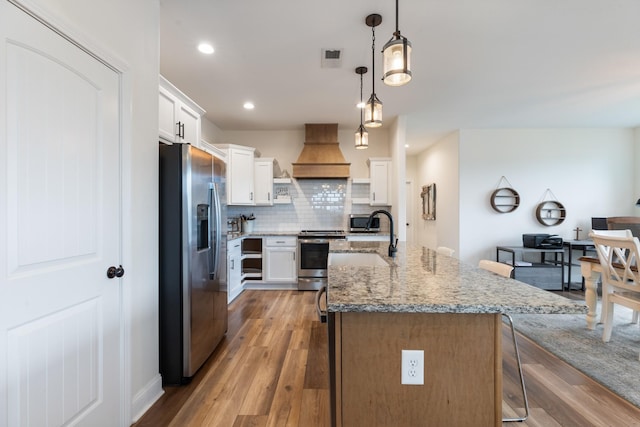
{"x":358,"y":223}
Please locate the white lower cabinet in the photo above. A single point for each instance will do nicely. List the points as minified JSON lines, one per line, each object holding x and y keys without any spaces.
{"x":234,"y":269}
{"x":280,"y":259}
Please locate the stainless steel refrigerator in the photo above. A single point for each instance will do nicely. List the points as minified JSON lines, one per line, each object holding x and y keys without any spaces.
{"x":192,"y":266}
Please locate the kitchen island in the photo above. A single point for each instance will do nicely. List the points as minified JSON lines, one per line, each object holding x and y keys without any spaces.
{"x":420,"y":300}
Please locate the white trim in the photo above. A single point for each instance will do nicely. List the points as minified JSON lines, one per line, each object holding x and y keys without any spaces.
{"x":166,"y":84}
{"x":146,"y":397}
{"x":51,"y":19}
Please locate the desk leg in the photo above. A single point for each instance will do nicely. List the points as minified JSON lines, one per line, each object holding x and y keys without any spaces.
{"x":591,"y":293}
{"x":569,"y":266}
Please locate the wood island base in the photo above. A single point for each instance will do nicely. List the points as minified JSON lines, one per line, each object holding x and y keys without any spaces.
{"x":463,"y":369}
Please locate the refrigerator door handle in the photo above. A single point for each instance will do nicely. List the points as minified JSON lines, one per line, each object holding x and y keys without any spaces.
{"x":215,"y":220}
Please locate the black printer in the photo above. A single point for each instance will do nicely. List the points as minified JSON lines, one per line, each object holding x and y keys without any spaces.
{"x":542,"y":241}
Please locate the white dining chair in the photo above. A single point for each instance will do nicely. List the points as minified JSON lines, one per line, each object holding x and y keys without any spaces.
{"x":619,"y":257}
{"x":506,"y":270}
{"x":612,"y":233}
{"x":443,"y":250}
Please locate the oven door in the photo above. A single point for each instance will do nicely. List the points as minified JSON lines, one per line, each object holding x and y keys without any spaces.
{"x":312,"y":257}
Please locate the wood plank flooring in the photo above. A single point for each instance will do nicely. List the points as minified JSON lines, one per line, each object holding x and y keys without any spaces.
{"x":272,"y":370}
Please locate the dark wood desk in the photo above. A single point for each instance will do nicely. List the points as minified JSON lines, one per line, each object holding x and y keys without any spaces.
{"x":578,"y":245}
{"x":541,"y":273}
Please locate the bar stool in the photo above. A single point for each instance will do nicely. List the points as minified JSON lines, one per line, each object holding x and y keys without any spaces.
{"x":506,"y":270}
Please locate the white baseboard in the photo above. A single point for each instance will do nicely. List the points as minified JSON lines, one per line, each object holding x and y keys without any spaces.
{"x":146,"y":397}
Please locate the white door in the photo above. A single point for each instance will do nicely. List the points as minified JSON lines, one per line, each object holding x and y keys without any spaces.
{"x":60,"y":208}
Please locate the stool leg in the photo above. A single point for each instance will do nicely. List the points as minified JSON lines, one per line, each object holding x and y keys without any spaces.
{"x":524,"y":391}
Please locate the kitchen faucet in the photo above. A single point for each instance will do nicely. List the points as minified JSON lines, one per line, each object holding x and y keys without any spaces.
{"x":392,"y":245}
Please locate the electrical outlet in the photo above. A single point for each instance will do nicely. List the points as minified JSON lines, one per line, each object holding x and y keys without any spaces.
{"x":412,"y":367}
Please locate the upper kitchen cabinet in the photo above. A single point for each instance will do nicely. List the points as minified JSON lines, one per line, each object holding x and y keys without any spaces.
{"x":380,"y":181}
{"x":179,"y":117}
{"x":240,"y":174}
{"x":263,"y":181}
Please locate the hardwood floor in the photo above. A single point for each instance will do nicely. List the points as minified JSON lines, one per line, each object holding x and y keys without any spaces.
{"x":272,"y":370}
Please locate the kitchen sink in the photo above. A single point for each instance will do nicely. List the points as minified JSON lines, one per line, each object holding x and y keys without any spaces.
{"x":356,"y":259}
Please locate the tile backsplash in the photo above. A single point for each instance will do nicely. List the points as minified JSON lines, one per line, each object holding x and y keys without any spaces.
{"x":316,"y":204}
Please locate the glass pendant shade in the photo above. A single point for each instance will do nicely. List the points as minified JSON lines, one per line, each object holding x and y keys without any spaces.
{"x":373,"y":112}
{"x":396,"y":56}
{"x":362,"y":138}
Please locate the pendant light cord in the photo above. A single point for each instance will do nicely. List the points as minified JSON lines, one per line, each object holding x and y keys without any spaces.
{"x":373,"y":64}
{"x":361,"y":109}
{"x":397,"y":33}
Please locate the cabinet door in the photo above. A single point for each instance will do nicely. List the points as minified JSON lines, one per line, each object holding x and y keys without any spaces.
{"x":380,"y":194}
{"x":240,"y":174}
{"x":234,"y":270}
{"x":167,"y":117}
{"x":190,"y":122}
{"x":280,"y":264}
{"x":263,"y":182}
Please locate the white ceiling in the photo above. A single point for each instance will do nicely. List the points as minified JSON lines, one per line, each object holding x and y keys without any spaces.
{"x":476,"y":63}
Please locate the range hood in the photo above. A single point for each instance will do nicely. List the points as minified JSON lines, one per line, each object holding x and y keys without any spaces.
{"x":321,"y":156}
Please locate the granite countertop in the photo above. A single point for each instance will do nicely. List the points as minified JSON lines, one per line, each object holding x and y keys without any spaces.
{"x":238,"y":235}
{"x":418,"y":280}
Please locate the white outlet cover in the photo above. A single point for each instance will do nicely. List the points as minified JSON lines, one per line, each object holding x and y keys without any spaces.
{"x":412,"y":367}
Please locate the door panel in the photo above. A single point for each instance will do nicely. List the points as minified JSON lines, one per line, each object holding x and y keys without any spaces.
{"x":60,"y":325}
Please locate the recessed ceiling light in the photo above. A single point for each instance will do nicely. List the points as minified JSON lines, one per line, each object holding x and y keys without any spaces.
{"x":406,"y":145}
{"x":205,"y":48}
{"x":360,"y":104}
{"x":249,"y":106}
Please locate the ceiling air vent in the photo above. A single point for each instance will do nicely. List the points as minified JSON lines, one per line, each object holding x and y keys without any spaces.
{"x":331,"y":58}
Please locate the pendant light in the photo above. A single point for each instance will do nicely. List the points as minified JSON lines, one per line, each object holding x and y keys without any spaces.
{"x":396,"y":56}
{"x":362,"y":136}
{"x":373,"y":109}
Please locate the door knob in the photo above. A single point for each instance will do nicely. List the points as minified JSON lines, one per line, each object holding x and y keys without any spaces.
{"x":115,"y":272}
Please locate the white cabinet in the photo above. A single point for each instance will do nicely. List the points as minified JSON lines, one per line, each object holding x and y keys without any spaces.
{"x":280,"y":259}
{"x":263,"y":181}
{"x":178,"y":116}
{"x":234,"y":269}
{"x":240,"y":174}
{"x":380,"y":181}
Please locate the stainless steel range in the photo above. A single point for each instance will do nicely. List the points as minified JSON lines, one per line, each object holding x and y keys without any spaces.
{"x":313,"y":252}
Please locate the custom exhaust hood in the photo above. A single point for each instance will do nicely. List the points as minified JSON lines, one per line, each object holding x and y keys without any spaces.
{"x":321,"y":156}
